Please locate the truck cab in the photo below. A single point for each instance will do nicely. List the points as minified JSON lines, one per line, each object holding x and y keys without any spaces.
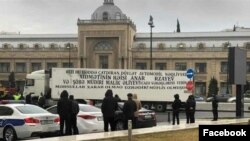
{"x":36,"y":82}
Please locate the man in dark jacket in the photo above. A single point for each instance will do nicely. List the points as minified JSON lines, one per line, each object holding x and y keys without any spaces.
{"x":64,"y":108}
{"x":215,"y":108}
{"x":109,"y":106}
{"x":176,"y":108}
{"x":28,"y":98}
{"x":190,"y":109}
{"x":118,"y":99}
{"x":129,"y":109}
{"x":41,"y":100}
{"x":75,"y":111}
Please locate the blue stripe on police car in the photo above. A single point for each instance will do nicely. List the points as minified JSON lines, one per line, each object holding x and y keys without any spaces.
{"x":13,"y":122}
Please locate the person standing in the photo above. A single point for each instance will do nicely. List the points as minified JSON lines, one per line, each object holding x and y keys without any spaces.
{"x":28,"y":98}
{"x":17,"y":95}
{"x":41,"y":100}
{"x":129,"y":108}
{"x":109,"y":106}
{"x":138,"y":107}
{"x":118,"y":99}
{"x":176,"y":108}
{"x":215,"y":108}
{"x":190,"y":109}
{"x":75,"y":111}
{"x":64,"y":108}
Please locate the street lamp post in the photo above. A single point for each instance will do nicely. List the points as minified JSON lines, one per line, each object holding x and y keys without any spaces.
{"x":227,"y":90}
{"x":69,"y":46}
{"x":151,"y":24}
{"x":122,"y":62}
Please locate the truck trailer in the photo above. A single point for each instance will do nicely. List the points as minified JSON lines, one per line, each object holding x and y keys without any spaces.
{"x":154,"y":88}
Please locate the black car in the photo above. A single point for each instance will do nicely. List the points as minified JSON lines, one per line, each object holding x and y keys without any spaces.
{"x":147,"y":118}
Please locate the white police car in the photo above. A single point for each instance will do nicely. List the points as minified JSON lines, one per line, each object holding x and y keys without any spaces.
{"x":18,"y":121}
{"x":89,"y":118}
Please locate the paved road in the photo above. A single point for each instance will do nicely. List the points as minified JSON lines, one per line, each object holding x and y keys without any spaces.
{"x":226,"y":110}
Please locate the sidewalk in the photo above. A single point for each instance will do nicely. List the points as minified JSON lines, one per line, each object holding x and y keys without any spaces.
{"x":164,"y":131}
{"x":183,"y":121}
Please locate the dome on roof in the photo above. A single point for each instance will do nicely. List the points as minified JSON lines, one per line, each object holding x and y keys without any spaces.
{"x":108,"y":11}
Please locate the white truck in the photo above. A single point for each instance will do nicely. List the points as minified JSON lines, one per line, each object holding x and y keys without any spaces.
{"x":154,"y":88}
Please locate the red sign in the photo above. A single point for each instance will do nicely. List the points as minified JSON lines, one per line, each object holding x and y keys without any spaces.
{"x":189,"y":85}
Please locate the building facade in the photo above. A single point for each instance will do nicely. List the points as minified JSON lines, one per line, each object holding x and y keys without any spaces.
{"x":109,"y":40}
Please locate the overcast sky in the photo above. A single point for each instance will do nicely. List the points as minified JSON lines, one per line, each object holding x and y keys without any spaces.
{"x":60,"y":16}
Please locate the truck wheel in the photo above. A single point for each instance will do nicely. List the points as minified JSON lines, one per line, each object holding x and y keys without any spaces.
{"x":161,"y":107}
{"x":9,"y":134}
{"x":146,"y":106}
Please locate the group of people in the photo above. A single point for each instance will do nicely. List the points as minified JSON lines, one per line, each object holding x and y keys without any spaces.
{"x":6,"y":95}
{"x":190,"y":107}
{"x":68,"y":108}
{"x":109,"y":106}
{"x":130,"y":109}
{"x":18,"y":95}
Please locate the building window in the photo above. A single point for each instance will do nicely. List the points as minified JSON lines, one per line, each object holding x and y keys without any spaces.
{"x":37,"y":46}
{"x":141,"y":46}
{"x":200,"y":67}
{"x":118,"y":16}
{"x":4,"y":67}
{"x":181,"y":45}
{"x":105,"y":16}
{"x":161,"y":46}
{"x":21,"y":46}
{"x":36,"y":66}
{"x":223,"y":67}
{"x":104,"y":62}
{"x":200,"y":89}
{"x":21,"y":67}
{"x":53,"y":45}
{"x":67,"y":65}
{"x":226,"y":44}
{"x":247,"y":45}
{"x":141,"y":66}
{"x":223,"y":88}
{"x":51,"y":65}
{"x":180,"y":66}
{"x":248,"y":67}
{"x":160,"y":66}
{"x":103,"y":45}
{"x":5,"y":46}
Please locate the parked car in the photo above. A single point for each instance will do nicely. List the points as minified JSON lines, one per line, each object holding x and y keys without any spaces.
{"x":19,"y":121}
{"x":84,"y":101}
{"x":198,"y":98}
{"x":220,"y":98}
{"x":89,"y":118}
{"x":146,"y":118}
{"x":246,"y":98}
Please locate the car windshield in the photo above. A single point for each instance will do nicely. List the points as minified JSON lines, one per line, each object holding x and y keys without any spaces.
{"x":31,"y":109}
{"x":85,"y":108}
